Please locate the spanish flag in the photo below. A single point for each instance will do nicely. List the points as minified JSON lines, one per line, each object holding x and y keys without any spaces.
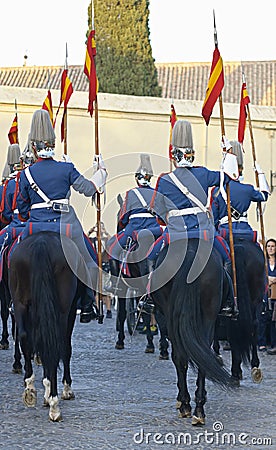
{"x":13,"y":133}
{"x":173,"y":119}
{"x":243,"y":114}
{"x":66,"y":88}
{"x":90,"y":70}
{"x":215,"y":86}
{"x":48,"y":106}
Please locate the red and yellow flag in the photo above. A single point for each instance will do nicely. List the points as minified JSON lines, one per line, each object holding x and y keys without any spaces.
{"x":13,"y":133}
{"x":66,"y":88}
{"x":173,"y":119}
{"x":243,"y":114}
{"x":48,"y":106}
{"x":215,"y":86}
{"x":90,"y":70}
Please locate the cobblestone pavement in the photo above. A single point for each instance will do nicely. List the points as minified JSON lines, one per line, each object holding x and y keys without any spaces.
{"x":121,"y":395}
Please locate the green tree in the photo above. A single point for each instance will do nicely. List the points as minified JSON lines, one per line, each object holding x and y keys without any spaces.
{"x":124,"y":61}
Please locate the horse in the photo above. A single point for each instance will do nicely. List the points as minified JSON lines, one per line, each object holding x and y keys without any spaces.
{"x":191,"y":305}
{"x":45,"y":288}
{"x":132,"y":284}
{"x":242,"y":333}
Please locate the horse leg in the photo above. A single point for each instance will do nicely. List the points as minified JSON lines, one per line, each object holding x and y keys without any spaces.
{"x":200,"y":399}
{"x":183,"y":397}
{"x":67,"y":393}
{"x":17,"y":366}
{"x":163,"y":341}
{"x":256,"y":372}
{"x":236,"y":371}
{"x":146,"y":321}
{"x":120,"y":323}
{"x":4,"y":343}
{"x":54,"y":411}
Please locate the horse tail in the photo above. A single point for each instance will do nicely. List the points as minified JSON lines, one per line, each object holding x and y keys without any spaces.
{"x":192,"y":336}
{"x":44,"y":308}
{"x":241,"y":330}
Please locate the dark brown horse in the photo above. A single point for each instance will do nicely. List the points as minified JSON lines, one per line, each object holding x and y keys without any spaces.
{"x":242,"y":333}
{"x":187,"y":286}
{"x":45,"y":289}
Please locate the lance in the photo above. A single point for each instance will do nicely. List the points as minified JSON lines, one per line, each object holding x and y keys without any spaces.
{"x":98,"y":196}
{"x":65,"y":109}
{"x":230,"y":227}
{"x":259,"y":205}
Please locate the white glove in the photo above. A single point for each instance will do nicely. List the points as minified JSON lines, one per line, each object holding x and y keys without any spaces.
{"x":263,"y":184}
{"x":229,"y":165}
{"x":225,"y":144}
{"x":99,"y":180}
{"x":98,"y":162}
{"x":66,"y":158}
{"x":258,"y":168}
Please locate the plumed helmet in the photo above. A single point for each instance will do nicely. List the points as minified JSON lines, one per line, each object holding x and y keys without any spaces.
{"x":144,"y":172}
{"x":182,"y":143}
{"x":13,"y":154}
{"x":237,"y":150}
{"x":42,"y":135}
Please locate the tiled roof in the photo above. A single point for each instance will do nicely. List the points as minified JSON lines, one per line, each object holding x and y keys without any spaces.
{"x":186,"y":81}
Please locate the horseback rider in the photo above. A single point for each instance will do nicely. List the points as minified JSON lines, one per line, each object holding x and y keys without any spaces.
{"x":43,"y":200}
{"x":12,"y":225}
{"x":181,"y":201}
{"x":241,"y":196}
{"x":135,"y":222}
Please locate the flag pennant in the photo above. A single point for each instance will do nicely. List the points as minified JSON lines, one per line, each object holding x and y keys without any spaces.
{"x":173,"y":119}
{"x":13,"y":133}
{"x":66,"y":88}
{"x":215,"y":86}
{"x":90,"y":70}
{"x":48,"y":106}
{"x":243,"y":114}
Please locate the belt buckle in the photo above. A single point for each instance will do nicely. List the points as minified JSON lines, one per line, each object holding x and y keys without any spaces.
{"x":60,"y":207}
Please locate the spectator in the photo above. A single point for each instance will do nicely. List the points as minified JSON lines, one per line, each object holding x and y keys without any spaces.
{"x":270,"y":252}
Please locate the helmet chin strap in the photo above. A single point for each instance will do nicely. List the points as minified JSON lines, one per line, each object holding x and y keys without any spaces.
{"x":183,"y":163}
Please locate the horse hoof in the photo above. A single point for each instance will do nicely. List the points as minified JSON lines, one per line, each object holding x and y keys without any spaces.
{"x":4,"y":346}
{"x":198,"y":420}
{"x":37,"y":360}
{"x":256,"y":375}
{"x":17,"y":370}
{"x":149,"y":349}
{"x":56,"y":417}
{"x":29,"y":398}
{"x":164,"y":357}
{"x":186,"y":414}
{"x":119,"y":345}
{"x":68,"y":394}
{"x":235,"y":382}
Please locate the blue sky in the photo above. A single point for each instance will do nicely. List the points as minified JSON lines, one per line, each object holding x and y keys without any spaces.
{"x":179,"y":32}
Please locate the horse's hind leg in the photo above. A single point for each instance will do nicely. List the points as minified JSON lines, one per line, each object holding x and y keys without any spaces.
{"x":256,"y":372}
{"x":4,"y":343}
{"x":120,"y":323}
{"x":183,"y":397}
{"x":17,"y":366}
{"x":163,"y":342}
{"x":200,"y":399}
{"x":67,"y":393}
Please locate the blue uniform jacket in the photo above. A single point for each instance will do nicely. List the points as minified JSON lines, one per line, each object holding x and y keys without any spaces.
{"x":55,"y":179}
{"x":241,"y":196}
{"x":168,"y":197}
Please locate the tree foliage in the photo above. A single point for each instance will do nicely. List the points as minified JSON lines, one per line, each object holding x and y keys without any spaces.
{"x":124,"y":61}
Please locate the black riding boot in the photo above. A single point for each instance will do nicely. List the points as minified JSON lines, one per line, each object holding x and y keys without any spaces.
{"x":89,"y":310}
{"x":229,"y":308}
{"x":146,"y":303}
{"x":113,"y":285}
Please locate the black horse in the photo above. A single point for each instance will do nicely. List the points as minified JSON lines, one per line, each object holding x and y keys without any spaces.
{"x":242,"y":333}
{"x":45,"y":290}
{"x":132,"y":288}
{"x":191,"y":306}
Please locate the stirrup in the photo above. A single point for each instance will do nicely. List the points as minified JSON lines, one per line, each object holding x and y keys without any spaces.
{"x":146,"y":304}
